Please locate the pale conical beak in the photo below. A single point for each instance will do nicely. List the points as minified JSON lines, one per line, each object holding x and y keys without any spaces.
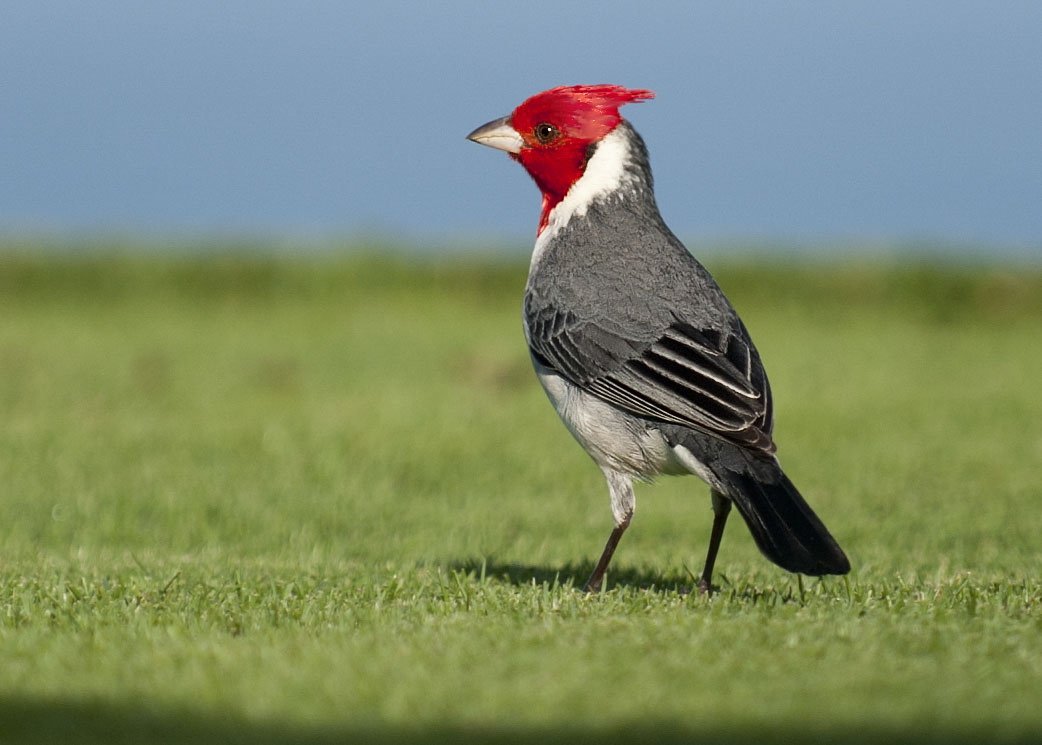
{"x":498,"y":134}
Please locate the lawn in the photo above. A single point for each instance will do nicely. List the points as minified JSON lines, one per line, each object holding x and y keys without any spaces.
{"x":272,"y":500}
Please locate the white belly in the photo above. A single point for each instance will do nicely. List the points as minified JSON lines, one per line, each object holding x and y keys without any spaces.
{"x":614,"y":439}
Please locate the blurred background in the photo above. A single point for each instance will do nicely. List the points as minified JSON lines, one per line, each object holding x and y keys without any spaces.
{"x":808,"y":125}
{"x":274,"y":466}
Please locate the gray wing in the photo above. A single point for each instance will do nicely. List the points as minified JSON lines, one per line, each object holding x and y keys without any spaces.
{"x":707,"y":379}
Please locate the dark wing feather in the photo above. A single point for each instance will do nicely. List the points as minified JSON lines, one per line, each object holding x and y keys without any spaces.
{"x":707,"y":379}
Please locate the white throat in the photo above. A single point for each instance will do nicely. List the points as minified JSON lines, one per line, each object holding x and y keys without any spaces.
{"x":606,"y":173}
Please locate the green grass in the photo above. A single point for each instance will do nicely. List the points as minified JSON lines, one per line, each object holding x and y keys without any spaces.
{"x":322,"y":500}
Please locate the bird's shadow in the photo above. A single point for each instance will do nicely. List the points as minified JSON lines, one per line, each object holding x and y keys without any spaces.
{"x":571,"y":575}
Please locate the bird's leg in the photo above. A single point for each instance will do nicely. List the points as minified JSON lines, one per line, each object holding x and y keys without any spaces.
{"x":623,"y":502}
{"x":721,"y":509}
{"x":593,"y":584}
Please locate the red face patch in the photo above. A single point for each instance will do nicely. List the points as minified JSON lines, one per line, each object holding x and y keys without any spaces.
{"x":558,"y":126}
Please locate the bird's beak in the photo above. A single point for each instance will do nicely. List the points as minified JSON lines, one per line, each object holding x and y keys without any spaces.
{"x":499,"y":134}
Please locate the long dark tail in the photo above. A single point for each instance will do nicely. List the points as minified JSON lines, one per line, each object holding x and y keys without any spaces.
{"x":784,"y":526}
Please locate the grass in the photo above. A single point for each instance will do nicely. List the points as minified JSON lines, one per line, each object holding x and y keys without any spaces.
{"x":319,"y":500}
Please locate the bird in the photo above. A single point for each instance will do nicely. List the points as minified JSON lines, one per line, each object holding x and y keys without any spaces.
{"x":638,"y":349}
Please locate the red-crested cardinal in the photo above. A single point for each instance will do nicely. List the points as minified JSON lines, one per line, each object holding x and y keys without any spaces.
{"x":637,"y":347}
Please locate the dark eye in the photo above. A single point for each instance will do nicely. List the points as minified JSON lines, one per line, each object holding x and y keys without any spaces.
{"x":546,"y":132}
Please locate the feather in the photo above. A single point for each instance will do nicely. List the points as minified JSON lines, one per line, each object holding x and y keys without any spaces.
{"x":685,"y":377}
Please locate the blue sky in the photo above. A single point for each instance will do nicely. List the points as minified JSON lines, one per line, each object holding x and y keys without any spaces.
{"x":880,"y":121}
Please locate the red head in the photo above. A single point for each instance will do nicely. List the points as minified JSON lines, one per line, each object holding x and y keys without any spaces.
{"x":551,"y":132}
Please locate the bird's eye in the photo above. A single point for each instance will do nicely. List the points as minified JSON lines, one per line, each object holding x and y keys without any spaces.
{"x":546,"y":132}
